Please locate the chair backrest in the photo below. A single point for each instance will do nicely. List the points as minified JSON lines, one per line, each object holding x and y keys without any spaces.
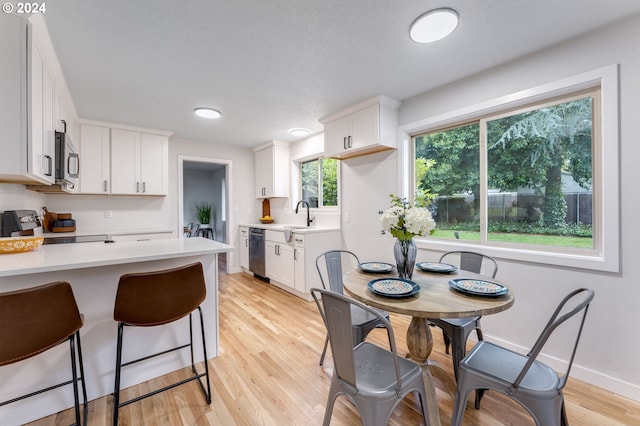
{"x":332,"y":262}
{"x":335,"y":310}
{"x":194,"y":230}
{"x":581,"y":298}
{"x":472,"y":262}
{"x":159,"y":297}
{"x":36,"y":319}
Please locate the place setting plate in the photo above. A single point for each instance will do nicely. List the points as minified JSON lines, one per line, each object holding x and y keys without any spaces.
{"x":442,"y":268}
{"x":376,"y":267}
{"x":393,"y":287}
{"x":478,"y":287}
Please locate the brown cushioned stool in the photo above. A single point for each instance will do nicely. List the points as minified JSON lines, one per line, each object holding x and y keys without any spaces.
{"x":37,"y":319}
{"x":157,"y":298}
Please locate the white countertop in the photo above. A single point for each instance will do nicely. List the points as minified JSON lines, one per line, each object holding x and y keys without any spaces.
{"x":60,"y":257}
{"x":298,"y":229}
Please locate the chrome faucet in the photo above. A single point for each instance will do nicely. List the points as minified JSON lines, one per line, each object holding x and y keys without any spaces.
{"x":303,"y":202}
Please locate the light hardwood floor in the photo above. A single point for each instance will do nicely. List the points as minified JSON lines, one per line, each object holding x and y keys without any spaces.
{"x":268,"y":374}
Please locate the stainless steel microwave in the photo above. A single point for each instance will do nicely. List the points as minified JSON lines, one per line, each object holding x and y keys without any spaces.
{"x":67,"y":161}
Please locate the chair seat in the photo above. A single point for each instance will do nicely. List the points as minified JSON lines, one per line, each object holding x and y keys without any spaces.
{"x":374,"y":375}
{"x":456,"y":322}
{"x":505,"y":365}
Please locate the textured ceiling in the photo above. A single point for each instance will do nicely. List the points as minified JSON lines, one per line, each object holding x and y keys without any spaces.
{"x":270,"y":65}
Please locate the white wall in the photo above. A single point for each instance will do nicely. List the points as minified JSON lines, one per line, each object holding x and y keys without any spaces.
{"x":609,"y":353}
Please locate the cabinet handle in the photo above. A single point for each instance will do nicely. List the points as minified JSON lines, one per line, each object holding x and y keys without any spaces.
{"x":349,"y":144}
{"x":295,"y":254}
{"x":137,"y":186}
{"x":104,"y":186}
{"x":49,"y":165}
{"x":344,"y":142}
{"x":144,"y":186}
{"x":246,"y":242}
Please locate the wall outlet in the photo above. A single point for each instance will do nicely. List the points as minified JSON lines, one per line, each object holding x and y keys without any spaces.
{"x":108,"y":214}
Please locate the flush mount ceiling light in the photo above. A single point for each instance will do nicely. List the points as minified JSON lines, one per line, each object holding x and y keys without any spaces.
{"x":299,"y":132}
{"x":434,"y":25}
{"x":207,"y":112}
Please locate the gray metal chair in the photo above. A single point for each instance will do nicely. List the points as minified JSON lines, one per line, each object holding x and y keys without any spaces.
{"x":456,"y":331}
{"x":374,"y":379}
{"x":534,"y":385}
{"x":363,"y":321}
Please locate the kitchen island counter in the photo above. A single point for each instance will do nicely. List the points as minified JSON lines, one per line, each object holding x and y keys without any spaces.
{"x":93,"y":269}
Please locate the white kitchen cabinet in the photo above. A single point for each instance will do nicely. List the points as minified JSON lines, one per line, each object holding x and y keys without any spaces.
{"x":368,"y":127}
{"x":41,"y":137}
{"x":280,"y":264}
{"x":244,"y":248}
{"x":291,"y":266}
{"x":139,"y":163}
{"x":272,"y":170}
{"x":95,"y":169}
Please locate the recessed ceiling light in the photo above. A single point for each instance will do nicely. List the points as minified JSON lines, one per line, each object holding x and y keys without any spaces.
{"x":434,"y":25}
{"x":299,"y":132}
{"x":207,"y":112}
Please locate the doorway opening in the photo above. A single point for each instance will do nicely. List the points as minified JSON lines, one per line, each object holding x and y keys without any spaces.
{"x":204,"y":181}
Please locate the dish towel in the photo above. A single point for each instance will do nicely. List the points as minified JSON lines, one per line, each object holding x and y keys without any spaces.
{"x":287,"y":234}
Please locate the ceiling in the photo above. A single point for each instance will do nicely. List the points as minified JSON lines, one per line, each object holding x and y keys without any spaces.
{"x":269,"y":66}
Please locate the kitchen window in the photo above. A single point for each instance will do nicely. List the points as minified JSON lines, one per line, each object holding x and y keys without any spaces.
{"x":528,"y":180}
{"x":319,"y":182}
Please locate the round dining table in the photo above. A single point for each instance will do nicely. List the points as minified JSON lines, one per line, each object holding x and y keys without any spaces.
{"x":435,"y":299}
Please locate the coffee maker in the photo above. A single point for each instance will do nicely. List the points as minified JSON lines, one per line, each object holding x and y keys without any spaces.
{"x":16,"y":223}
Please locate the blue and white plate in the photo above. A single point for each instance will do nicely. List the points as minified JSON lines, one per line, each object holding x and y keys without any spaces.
{"x":478,"y":287}
{"x":376,"y":267}
{"x":443,"y":268}
{"x":393,"y":287}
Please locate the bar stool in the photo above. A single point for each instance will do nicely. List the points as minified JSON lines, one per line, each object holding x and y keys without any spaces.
{"x":157,"y":298}
{"x":37,"y":319}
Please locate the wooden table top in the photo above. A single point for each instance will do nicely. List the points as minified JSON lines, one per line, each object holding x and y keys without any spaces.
{"x":436,"y":299}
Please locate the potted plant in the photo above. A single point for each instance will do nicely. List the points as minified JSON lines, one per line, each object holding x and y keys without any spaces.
{"x":203,"y":211}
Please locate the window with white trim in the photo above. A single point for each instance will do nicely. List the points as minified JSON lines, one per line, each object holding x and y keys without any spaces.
{"x":531,"y":179}
{"x":319,"y":182}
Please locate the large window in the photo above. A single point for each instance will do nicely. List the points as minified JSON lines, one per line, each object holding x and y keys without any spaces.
{"x":319,"y":182}
{"x":527,"y":178}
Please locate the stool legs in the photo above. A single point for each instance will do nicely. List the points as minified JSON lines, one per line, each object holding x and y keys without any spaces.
{"x":197,"y":376}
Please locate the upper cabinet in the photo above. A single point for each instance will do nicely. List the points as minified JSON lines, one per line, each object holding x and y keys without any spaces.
{"x":272,"y":170}
{"x":122,"y":161}
{"x":367,"y":127}
{"x":35,"y":100}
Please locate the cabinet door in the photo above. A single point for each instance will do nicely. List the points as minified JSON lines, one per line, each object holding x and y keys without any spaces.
{"x":299,"y":260}
{"x":244,"y":247}
{"x":153,"y":164}
{"x":280,"y":263}
{"x":95,"y":173}
{"x":365,"y":127}
{"x":264,"y":172}
{"x":336,"y":136}
{"x":40,"y":150}
{"x":125,"y":147}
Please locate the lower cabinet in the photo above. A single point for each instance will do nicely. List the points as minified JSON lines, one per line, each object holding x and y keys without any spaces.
{"x":291,"y":265}
{"x":244,"y":248}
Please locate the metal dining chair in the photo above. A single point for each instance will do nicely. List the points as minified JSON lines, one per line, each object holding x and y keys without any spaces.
{"x":363,"y":322}
{"x":157,"y":298}
{"x":374,"y":379}
{"x":533,"y":384}
{"x":456,"y":331}
{"x":37,"y":319}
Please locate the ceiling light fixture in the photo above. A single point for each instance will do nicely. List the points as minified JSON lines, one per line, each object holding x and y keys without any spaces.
{"x":434,"y":25}
{"x":205,"y":112}
{"x":299,"y":132}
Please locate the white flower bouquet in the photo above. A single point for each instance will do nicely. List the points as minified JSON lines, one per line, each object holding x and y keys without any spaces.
{"x":404,"y":221}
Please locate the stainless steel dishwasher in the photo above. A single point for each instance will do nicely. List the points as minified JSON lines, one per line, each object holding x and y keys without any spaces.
{"x":257,"y":252}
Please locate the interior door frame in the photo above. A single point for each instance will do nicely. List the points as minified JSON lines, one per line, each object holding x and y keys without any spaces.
{"x":228,"y":196}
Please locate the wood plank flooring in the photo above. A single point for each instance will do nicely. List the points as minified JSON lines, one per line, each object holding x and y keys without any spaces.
{"x":268,"y":374}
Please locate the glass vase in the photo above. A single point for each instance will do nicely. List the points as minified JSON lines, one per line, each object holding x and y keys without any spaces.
{"x":405,"y":253}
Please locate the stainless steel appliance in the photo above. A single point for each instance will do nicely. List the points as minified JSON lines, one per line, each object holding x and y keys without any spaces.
{"x":257,"y":252}
{"x":17,"y":223}
{"x":67,"y":160}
